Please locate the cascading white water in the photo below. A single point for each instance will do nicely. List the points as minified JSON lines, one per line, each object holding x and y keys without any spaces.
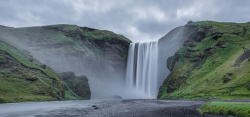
{"x":141,"y":76}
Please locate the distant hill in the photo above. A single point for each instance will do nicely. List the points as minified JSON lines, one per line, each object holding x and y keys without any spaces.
{"x":29,"y":54}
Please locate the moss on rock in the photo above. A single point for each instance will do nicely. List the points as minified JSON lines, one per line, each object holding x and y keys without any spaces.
{"x":77,"y":87}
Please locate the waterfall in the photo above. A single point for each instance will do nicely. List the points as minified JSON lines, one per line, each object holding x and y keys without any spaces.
{"x":141,"y":74}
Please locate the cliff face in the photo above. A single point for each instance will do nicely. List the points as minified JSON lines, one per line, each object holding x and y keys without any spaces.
{"x":100,"y":55}
{"x":212,"y":63}
{"x":22,"y":80}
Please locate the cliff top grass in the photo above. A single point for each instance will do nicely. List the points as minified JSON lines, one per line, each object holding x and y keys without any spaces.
{"x":88,"y":32}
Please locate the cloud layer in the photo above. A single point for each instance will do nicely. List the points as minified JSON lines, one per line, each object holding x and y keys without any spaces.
{"x":138,"y":20}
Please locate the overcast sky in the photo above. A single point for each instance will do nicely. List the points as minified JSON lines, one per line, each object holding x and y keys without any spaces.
{"x":138,"y":20}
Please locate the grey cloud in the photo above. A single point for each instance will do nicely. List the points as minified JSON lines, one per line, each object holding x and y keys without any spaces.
{"x":140,"y":20}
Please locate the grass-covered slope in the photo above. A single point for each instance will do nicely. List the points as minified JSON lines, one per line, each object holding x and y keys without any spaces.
{"x":214,"y":62}
{"x":21,"y":80}
{"x":239,"y":109}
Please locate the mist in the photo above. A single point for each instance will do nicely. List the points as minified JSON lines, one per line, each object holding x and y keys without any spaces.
{"x":168,"y":45}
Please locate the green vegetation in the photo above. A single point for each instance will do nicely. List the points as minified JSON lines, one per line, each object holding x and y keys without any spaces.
{"x":21,"y":80}
{"x":213,"y":63}
{"x":239,"y":109}
{"x":57,"y":46}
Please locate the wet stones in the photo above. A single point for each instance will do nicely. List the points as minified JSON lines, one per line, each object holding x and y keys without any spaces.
{"x":95,"y":107}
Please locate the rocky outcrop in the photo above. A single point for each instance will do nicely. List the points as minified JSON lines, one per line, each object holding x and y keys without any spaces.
{"x":78,"y":84}
{"x":243,"y":57}
{"x":213,"y":61}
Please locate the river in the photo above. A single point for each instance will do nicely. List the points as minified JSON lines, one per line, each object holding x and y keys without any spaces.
{"x":103,"y":108}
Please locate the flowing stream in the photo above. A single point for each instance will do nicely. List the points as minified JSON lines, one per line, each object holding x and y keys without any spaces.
{"x":103,"y":108}
{"x":141,"y":74}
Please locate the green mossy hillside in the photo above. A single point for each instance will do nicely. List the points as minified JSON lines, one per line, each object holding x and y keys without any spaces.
{"x":21,"y":80}
{"x":97,"y":53}
{"x":214,"y":62}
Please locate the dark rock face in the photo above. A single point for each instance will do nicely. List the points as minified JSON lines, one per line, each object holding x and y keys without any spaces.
{"x":196,"y":33}
{"x":191,"y":33}
{"x":241,"y":58}
{"x":217,"y":35}
{"x":78,"y":84}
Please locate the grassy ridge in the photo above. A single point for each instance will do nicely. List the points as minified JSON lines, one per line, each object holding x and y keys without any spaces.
{"x":240,"y":109}
{"x":208,"y":66}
